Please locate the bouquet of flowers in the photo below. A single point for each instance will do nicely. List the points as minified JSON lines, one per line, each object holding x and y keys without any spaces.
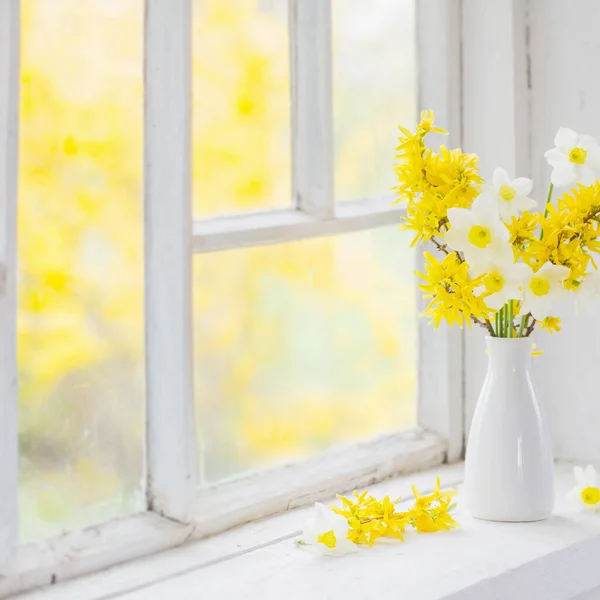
{"x":503,"y":266}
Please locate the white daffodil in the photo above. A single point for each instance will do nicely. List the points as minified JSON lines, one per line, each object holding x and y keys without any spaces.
{"x":479,"y":233}
{"x":543,"y":290}
{"x":587,"y":291}
{"x":575,"y":159}
{"x":586,"y":492}
{"x":327,"y":532}
{"x":511,"y":195}
{"x":503,"y":279}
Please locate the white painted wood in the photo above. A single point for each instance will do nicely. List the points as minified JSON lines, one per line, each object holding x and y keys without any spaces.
{"x":312,"y":110}
{"x":339,"y":468}
{"x":566,"y":92}
{"x":9,"y":107}
{"x":496,"y":117}
{"x":274,"y":227}
{"x":91,"y":550}
{"x":279,"y":529}
{"x":171,"y":443}
{"x":555,"y":559}
{"x":222,"y":507}
{"x":441,"y":351}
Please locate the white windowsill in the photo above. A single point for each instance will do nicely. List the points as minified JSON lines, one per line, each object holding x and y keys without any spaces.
{"x":219,"y":508}
{"x":555,"y":559}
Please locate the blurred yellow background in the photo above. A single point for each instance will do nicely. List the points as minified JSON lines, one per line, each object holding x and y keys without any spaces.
{"x":297,"y":346}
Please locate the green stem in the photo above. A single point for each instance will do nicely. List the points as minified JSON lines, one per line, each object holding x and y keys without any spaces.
{"x":497,"y":324}
{"x":522,"y":326}
{"x":502,"y":322}
{"x":548,"y":201}
{"x":510,"y":318}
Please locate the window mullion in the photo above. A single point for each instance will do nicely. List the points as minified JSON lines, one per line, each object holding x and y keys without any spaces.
{"x":9,"y":110}
{"x":441,"y":405}
{"x":312,"y":112}
{"x":171,"y":442}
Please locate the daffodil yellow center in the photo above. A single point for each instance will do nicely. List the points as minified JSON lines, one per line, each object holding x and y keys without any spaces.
{"x":539,"y":286}
{"x":480,"y":236}
{"x":328,"y":539}
{"x":507,"y":192}
{"x":590,"y":495}
{"x":493,"y":282}
{"x":578,"y":155}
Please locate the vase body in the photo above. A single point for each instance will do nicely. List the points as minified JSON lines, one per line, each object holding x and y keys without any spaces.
{"x":509,"y":467}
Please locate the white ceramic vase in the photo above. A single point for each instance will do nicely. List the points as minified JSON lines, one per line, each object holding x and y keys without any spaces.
{"x":509,"y":470}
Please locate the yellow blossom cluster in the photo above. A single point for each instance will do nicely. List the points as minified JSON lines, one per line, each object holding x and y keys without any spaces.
{"x":569,"y":235}
{"x":522,"y":230}
{"x":551,"y":324}
{"x":432,"y":182}
{"x":370,"y":519}
{"x":453,"y":295}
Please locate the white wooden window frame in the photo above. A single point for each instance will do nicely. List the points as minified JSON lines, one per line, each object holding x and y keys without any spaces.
{"x":177,"y":509}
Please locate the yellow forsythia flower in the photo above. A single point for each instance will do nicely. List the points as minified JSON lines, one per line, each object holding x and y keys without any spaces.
{"x":551,"y":324}
{"x":569,"y":234}
{"x":370,"y":519}
{"x":451,"y":291}
{"x":431,"y":182}
{"x":432,"y":512}
{"x":522,"y":229}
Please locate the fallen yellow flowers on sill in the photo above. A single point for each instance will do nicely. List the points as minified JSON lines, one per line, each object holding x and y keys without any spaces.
{"x":363,"y":519}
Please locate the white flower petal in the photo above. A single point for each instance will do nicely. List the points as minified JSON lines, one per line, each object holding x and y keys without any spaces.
{"x":523,"y":203}
{"x":322,"y":521}
{"x":591,"y":477}
{"x":579,"y":477}
{"x":485,"y":208}
{"x":593,"y":159}
{"x":518,"y":273}
{"x":460,"y":218}
{"x":456,"y":238}
{"x":587,"y":142}
{"x":563,"y":174}
{"x":490,"y":265}
{"x":499,"y":299}
{"x":479,"y":268}
{"x":508,"y":209}
{"x":554,"y":156}
{"x":513,"y":292}
{"x":586,"y":175}
{"x":539,"y":306}
{"x":503,"y":252}
{"x":499,"y":233}
{"x":554,"y":273}
{"x":565,"y":139}
{"x":500,"y":177}
{"x":523,"y":186}
{"x":496,"y":301}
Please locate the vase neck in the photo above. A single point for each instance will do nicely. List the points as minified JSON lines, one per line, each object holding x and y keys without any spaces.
{"x":508,"y":354}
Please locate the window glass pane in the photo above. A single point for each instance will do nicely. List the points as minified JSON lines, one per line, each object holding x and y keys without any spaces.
{"x":375,"y":90}
{"x":241,"y":125}
{"x":80,"y":316}
{"x":302,"y":345}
